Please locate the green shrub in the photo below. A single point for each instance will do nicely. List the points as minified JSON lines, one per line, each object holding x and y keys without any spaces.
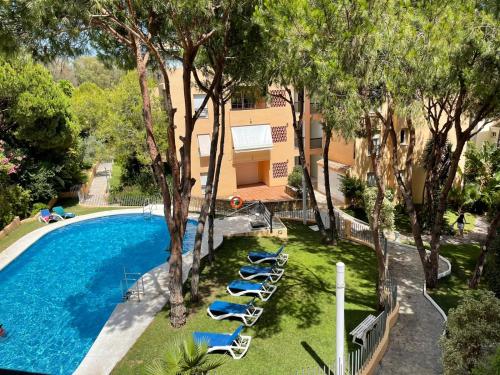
{"x":472,"y":332}
{"x":14,"y":201}
{"x":387,"y":210}
{"x":490,"y":365}
{"x":353,"y":189}
{"x":492,"y":268}
{"x":295,"y":178}
{"x":37,"y":207}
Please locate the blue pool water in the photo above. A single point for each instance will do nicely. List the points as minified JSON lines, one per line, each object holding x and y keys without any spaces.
{"x":56,"y":297}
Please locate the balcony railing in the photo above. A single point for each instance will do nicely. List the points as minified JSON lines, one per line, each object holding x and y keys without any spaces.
{"x":315,"y":142}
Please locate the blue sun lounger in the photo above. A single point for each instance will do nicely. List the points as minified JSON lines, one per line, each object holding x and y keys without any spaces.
{"x":249,"y":313}
{"x":263,"y":256}
{"x":273,"y":273}
{"x":236,"y":344}
{"x":241,"y":288}
{"x":60,"y":211}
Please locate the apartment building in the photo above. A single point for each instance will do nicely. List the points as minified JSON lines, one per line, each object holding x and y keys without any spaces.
{"x":260,"y":147}
{"x":354,"y":159}
{"x":490,"y":133}
{"x":259,"y":151}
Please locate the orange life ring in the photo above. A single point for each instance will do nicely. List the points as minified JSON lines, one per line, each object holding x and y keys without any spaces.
{"x":236,"y":202}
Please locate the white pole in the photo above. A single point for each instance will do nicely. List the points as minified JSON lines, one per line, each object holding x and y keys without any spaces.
{"x":339,"y":328}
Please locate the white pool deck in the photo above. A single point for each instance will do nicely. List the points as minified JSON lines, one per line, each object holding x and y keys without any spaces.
{"x":130,"y":319}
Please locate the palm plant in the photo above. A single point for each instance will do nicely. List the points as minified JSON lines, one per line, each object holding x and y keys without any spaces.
{"x":186,"y":357}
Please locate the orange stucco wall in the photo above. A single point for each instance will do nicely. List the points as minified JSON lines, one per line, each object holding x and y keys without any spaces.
{"x":274,"y":116}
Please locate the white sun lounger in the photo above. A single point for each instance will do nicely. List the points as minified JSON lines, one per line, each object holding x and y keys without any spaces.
{"x":249,"y":313}
{"x":278,"y":257}
{"x":273,"y":274}
{"x":241,"y":288}
{"x":234,"y":343}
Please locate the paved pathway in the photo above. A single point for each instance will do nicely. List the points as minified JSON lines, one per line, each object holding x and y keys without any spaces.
{"x":413,"y":344}
{"x":99,"y":187}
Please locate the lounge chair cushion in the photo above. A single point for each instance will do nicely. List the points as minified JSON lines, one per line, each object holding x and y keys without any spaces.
{"x":45,"y":213}
{"x":252,"y":270}
{"x":60,"y":211}
{"x":265,"y":254}
{"x":245,"y":285}
{"x":213,"y":339}
{"x":228,"y":307}
{"x":217,"y":339}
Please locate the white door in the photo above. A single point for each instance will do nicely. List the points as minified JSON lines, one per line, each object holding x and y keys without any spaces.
{"x":247,"y":173}
{"x":335,"y":185}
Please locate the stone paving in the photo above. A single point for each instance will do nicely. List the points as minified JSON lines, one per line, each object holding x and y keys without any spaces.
{"x":99,"y":187}
{"x":262,"y":192}
{"x":413,"y":343}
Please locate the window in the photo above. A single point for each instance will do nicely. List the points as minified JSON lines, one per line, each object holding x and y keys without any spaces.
{"x":403,"y":134}
{"x":370,"y":179}
{"x":203,"y":181}
{"x":296,"y":160}
{"x":242,"y":100}
{"x":494,"y":134}
{"x":376,"y":144}
{"x":198,"y":101}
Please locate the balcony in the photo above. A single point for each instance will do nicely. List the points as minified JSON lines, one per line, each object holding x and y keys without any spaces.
{"x":316,"y":143}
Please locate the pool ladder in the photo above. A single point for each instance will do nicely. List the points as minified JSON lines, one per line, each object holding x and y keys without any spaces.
{"x":147,"y":209}
{"x":132,"y":286}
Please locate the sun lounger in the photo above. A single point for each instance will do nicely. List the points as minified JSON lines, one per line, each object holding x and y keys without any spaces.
{"x":47,"y":218}
{"x":251,"y":272}
{"x":263,"y":256}
{"x":249,"y":313}
{"x":60,"y":211}
{"x":236,"y":344}
{"x":241,"y":288}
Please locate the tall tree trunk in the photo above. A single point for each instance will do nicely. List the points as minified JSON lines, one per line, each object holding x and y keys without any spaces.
{"x":481,"y":261}
{"x":326,"y":172}
{"x":200,"y":229}
{"x":297,"y":127}
{"x":405,"y":187}
{"x":178,"y":310}
{"x":213,"y":201}
{"x":435,"y":242}
{"x":375,"y":158}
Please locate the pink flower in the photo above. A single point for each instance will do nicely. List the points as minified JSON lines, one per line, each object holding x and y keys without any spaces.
{"x":12,"y":170}
{"x":5,"y":161}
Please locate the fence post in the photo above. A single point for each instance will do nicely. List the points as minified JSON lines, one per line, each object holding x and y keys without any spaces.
{"x":347,"y":229}
{"x":339,"y":329}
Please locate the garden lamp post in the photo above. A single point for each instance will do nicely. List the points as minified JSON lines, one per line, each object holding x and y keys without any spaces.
{"x":339,"y":328}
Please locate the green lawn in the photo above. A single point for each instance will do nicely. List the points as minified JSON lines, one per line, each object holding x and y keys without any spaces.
{"x":297,"y":328}
{"x":70,"y":205}
{"x":450,"y":216}
{"x":452,"y":288}
{"x":116,"y":173}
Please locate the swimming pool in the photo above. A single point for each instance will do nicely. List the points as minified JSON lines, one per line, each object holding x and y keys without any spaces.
{"x":56,"y":296}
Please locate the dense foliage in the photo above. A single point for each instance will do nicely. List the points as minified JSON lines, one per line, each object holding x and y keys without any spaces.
{"x":111,"y":120}
{"x":353,"y":189}
{"x":295,"y":178}
{"x":472,"y":332}
{"x":39,"y":137}
{"x":387,"y":210}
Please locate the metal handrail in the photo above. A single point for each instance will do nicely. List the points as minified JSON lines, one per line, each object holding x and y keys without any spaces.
{"x":242,"y":208}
